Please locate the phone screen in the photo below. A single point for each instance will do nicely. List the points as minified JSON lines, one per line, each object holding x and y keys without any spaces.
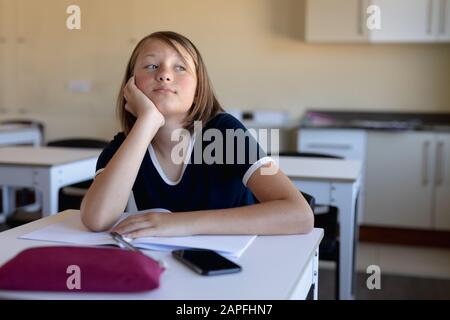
{"x":206,"y":262}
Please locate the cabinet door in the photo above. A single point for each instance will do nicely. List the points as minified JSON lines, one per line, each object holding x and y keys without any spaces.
{"x":37,"y":52}
{"x":399,"y":179}
{"x":335,"y":21}
{"x":346,"y":143}
{"x":442,"y":182}
{"x":443,"y":18}
{"x":7,"y":74}
{"x":405,"y":21}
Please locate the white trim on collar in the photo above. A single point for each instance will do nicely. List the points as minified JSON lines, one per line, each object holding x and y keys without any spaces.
{"x":156,"y":164}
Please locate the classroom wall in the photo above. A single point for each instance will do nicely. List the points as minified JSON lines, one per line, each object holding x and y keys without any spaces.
{"x":253,"y":49}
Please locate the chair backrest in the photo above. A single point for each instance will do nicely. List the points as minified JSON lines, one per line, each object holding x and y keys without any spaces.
{"x":79,"y":143}
{"x":32,"y":123}
{"x":310,"y":199}
{"x":327,"y":220}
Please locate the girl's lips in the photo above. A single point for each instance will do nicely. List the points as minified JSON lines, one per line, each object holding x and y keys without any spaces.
{"x":164,"y":90}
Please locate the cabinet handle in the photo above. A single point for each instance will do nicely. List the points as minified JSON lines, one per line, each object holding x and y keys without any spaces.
{"x":426,"y":147}
{"x":439,"y":163}
{"x":360,"y":15}
{"x":442,"y":16}
{"x":430,"y":13}
{"x":329,"y":145}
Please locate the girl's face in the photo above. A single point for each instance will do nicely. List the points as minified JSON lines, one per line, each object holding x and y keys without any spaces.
{"x":165,"y":78}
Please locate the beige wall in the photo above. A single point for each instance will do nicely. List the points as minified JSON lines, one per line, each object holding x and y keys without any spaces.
{"x":253,"y":50}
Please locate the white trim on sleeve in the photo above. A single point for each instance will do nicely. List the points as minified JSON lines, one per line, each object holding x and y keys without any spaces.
{"x":98,"y":172}
{"x":255,"y":167}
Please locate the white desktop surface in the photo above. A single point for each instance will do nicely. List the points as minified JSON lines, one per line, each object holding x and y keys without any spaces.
{"x":44,"y":156}
{"x":272,"y":268}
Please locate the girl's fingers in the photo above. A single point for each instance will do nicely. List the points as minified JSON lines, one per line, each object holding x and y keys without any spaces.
{"x":133,"y":223}
{"x":145,"y":232}
{"x":129,"y":87}
{"x":130,"y":81}
{"x":127,"y":107}
{"x":125,"y":230}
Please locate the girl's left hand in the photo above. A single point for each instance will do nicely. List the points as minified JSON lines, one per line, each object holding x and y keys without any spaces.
{"x":152,"y":224}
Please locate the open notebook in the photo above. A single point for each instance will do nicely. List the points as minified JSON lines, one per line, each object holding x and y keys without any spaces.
{"x":72,"y":230}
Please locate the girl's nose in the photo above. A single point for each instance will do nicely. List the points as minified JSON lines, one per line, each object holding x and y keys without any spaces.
{"x":164,"y":75}
{"x":164,"y":78}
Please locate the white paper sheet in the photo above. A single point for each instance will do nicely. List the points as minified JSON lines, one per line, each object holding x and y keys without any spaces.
{"x":72,"y":230}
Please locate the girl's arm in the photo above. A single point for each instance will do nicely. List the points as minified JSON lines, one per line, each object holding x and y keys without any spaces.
{"x":282,"y":210}
{"x":107,"y":197}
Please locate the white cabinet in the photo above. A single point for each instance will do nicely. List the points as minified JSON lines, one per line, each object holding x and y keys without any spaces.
{"x":443,"y":28}
{"x":405,"y":175}
{"x":407,"y":21}
{"x":407,"y":180}
{"x":334,"y":21}
{"x":399,"y":179}
{"x":442,"y":182}
{"x":345,"y":143}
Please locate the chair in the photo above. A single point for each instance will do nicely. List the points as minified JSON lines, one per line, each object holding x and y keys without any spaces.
{"x":325,"y":217}
{"x":329,"y":247}
{"x":32,"y":123}
{"x":70,"y":196}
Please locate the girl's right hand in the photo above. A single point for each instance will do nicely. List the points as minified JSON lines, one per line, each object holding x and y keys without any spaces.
{"x":139,"y":105}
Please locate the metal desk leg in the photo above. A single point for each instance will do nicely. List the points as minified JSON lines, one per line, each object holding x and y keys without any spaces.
{"x":343,"y":196}
{"x":47,"y":183}
{"x":8,"y":200}
{"x":316,"y":274}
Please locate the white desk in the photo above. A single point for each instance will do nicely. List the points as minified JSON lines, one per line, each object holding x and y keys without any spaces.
{"x":332,"y":182}
{"x":273,"y":267}
{"x":14,"y":134}
{"x":46,"y":169}
{"x":11,"y":134}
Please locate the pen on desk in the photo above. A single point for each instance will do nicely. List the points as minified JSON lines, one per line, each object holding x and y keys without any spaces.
{"x":124,"y":243}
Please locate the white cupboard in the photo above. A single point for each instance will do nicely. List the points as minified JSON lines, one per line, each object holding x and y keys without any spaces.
{"x":401,"y":21}
{"x":399,"y":179}
{"x":334,"y":21}
{"x":441,"y":215}
{"x":405,"y":180}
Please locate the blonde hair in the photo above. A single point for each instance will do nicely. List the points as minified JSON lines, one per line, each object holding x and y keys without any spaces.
{"x":205,"y":104}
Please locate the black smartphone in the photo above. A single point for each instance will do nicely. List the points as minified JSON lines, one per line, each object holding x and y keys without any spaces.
{"x":206,"y":262}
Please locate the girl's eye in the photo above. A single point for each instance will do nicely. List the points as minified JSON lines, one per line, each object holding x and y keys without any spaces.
{"x":180,"y":68}
{"x":151,"y":66}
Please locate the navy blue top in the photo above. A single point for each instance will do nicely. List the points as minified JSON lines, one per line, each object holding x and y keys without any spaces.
{"x":202,"y":186}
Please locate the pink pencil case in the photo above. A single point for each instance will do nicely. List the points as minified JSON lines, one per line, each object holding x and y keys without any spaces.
{"x":80,"y":269}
